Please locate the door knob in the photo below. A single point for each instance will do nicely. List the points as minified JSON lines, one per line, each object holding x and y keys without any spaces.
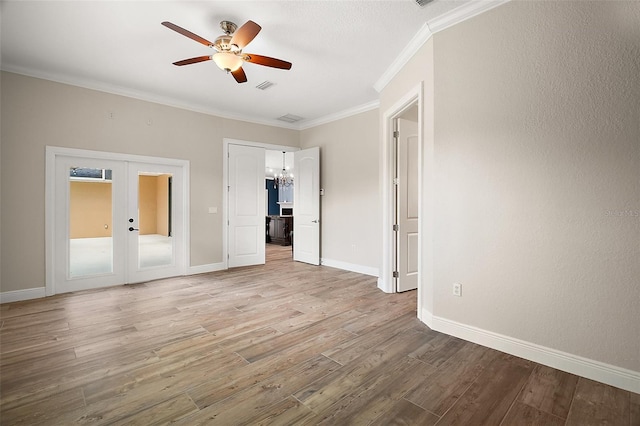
{"x":131,"y":228}
{"x":315,"y":221}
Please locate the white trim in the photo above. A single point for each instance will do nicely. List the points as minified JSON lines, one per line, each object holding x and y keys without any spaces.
{"x":605,"y":373}
{"x":176,"y":103}
{"x":387,"y":206}
{"x":40,"y":292}
{"x":225,"y":183}
{"x":51,"y":152}
{"x":204,"y":269}
{"x":462,"y":13}
{"x":143,"y":96}
{"x":403,"y":57}
{"x":453,"y":17}
{"x":339,"y":115}
{"x":352,"y":267}
{"x":19,"y":295}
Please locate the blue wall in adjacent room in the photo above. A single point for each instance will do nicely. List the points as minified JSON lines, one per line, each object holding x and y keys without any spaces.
{"x":274,"y":209}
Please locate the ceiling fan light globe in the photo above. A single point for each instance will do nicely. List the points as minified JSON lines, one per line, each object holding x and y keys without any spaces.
{"x":227,"y":61}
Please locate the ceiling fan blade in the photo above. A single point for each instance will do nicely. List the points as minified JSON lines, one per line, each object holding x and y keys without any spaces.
{"x":187,"y":33}
{"x":239,"y":75}
{"x":192,"y":60}
{"x":267,"y":61}
{"x":243,"y":35}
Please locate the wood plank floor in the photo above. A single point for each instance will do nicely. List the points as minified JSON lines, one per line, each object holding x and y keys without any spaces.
{"x":285,"y":344}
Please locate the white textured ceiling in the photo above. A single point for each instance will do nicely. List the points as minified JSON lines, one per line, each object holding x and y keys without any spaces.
{"x":339,"y":49}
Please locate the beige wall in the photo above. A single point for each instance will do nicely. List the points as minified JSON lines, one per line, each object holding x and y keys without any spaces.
{"x":89,"y":209}
{"x":536,"y":148}
{"x":350,"y":226}
{"x":37,"y":113}
{"x":419,"y":72}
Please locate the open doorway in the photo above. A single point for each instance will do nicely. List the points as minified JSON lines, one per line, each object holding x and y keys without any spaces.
{"x":245,"y":207}
{"x":248,"y":180}
{"x":279,"y":184}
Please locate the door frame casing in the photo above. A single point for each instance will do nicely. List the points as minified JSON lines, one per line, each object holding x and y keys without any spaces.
{"x":51,"y":155}
{"x":225,"y":184}
{"x":386,"y":281}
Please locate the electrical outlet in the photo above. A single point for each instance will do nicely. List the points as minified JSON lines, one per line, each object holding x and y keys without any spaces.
{"x":457,"y":289}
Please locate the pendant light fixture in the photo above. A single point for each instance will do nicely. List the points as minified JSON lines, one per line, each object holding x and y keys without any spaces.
{"x":285,"y":178}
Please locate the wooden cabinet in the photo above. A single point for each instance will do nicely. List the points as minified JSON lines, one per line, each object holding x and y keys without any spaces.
{"x":279,"y":229}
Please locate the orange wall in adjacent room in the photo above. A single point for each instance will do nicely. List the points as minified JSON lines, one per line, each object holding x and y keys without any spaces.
{"x":90,"y":209}
{"x":153,"y":204}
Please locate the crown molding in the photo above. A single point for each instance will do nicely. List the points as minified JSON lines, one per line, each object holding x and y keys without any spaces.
{"x":405,"y":55}
{"x":143,"y":96}
{"x":175,"y":103}
{"x":462,"y":13}
{"x":303,"y":125}
{"x":431,"y":27}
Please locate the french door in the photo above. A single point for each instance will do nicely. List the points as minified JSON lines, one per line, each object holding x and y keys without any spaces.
{"x":114,"y":222}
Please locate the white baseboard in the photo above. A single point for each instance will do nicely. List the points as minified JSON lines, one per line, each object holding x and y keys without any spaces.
{"x":37,"y":293}
{"x":605,"y":373}
{"x":203,"y":269}
{"x":366,"y":270}
{"x":19,"y":295}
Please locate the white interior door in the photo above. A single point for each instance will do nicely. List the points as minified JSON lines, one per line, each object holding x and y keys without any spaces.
{"x":246,"y":203}
{"x":306,"y":206}
{"x":407,"y":255}
{"x":155,"y":222}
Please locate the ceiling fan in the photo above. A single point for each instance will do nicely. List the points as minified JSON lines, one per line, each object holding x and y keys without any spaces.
{"x":229,"y":55}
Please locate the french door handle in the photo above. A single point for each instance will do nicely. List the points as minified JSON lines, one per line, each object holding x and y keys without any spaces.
{"x":131,"y":228}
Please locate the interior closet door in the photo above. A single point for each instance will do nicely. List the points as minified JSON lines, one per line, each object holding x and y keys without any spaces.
{"x":246,"y":205}
{"x":88,"y":245}
{"x":407,"y":205}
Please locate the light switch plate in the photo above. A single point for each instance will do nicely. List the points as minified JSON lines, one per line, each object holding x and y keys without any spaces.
{"x":457,"y":289}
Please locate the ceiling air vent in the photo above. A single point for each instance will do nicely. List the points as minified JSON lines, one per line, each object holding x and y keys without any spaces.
{"x":290,"y":118}
{"x":422,"y":3}
{"x":264,"y":85}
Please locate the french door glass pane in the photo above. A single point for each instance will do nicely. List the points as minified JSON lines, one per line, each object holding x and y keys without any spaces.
{"x":90,"y":221}
{"x":155,"y":245}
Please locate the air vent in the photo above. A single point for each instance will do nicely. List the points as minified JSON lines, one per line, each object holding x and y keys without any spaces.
{"x":264,"y":85}
{"x":290,"y":118}
{"x":423,"y":3}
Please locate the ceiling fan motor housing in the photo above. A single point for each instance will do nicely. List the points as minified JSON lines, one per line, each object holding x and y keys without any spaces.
{"x":223,"y":44}
{"x":228,"y":27}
